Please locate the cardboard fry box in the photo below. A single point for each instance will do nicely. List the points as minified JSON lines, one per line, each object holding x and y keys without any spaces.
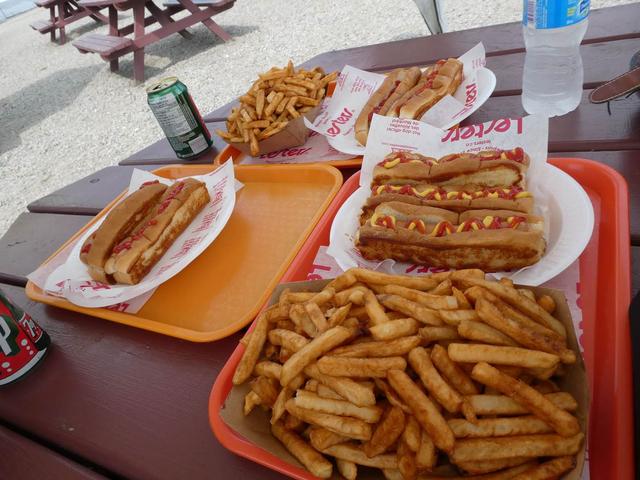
{"x":293,"y":135}
{"x":256,"y":427}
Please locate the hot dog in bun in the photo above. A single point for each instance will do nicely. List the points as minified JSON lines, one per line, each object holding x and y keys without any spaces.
{"x":140,"y":229}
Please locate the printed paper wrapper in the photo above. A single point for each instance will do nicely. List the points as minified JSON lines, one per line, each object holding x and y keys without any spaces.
{"x":354,"y":87}
{"x":255,"y":427}
{"x":563,"y":203}
{"x":68,"y":276}
{"x":315,"y":149}
{"x":293,"y":135}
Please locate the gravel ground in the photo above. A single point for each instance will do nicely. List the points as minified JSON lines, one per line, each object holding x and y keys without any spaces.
{"x":63,"y":115}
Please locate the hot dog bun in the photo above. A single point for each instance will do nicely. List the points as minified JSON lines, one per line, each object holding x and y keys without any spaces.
{"x":440,"y":80}
{"x":457,"y":198}
{"x":134,"y":256}
{"x":487,"y":239}
{"x":119,"y":223}
{"x":397,"y":83}
{"x":489,"y":168}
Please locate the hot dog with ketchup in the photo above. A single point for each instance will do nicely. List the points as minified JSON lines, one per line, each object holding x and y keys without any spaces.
{"x":489,"y":239}
{"x":397,"y":83}
{"x":138,"y":231}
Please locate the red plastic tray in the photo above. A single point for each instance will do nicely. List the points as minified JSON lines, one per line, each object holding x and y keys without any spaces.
{"x":605,"y":290}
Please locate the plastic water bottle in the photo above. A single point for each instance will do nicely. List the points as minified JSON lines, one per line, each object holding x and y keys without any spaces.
{"x":553,"y":74}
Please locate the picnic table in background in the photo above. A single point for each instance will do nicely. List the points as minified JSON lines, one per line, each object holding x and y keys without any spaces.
{"x":118,"y":41}
{"x":132,"y":403}
{"x":61,"y":14}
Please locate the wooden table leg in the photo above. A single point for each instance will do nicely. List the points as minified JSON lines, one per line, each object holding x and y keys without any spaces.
{"x":52,"y":17}
{"x":113,"y":30}
{"x":61,"y":21}
{"x":164,"y":18}
{"x":138,"y":31}
{"x":217,"y":29}
{"x":210,"y":24}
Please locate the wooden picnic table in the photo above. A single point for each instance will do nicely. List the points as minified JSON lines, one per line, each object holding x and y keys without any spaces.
{"x":61,"y":14}
{"x":125,"y":402}
{"x":117,"y":43}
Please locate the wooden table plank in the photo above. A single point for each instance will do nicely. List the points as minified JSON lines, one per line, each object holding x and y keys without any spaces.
{"x":128,"y":400}
{"x":161,"y":153}
{"x":589,"y":127}
{"x":89,"y":195}
{"x":601,"y":61}
{"x":27,"y":460}
{"x":32,"y":238}
{"x":627,"y":163}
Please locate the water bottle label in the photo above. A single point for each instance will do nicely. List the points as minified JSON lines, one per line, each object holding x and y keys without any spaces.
{"x":542,"y":14}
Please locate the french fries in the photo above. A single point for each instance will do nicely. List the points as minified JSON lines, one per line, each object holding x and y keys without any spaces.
{"x":309,"y":457}
{"x":551,"y":469}
{"x":423,"y":409}
{"x":322,"y":438}
{"x":498,"y":427}
{"x":518,"y":446}
{"x":354,"y":453}
{"x":503,"y":405}
{"x":518,"y":357}
{"x":440,"y":376}
{"x":426,"y":456}
{"x":360,"y":367}
{"x":319,"y":345}
{"x":454,"y":374}
{"x":436,"y":385}
{"x":520,"y":302}
{"x":284,"y":92}
{"x":252,"y":351}
{"x":342,"y":425}
{"x":311,"y":401}
{"x":386,"y":432}
{"x":411,"y":309}
{"x":347,"y":469}
{"x":394,"y":329}
{"x":399,"y":346}
{"x":562,"y":422}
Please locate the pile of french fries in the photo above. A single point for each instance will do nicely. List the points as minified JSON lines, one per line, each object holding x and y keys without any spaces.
{"x":279,"y":95}
{"x":442,"y":376}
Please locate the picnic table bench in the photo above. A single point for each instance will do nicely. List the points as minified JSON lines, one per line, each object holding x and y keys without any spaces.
{"x":61,"y":14}
{"x":125,"y":402}
{"x":116,"y":43}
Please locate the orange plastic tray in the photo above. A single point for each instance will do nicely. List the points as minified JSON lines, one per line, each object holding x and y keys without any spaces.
{"x":605,"y":290}
{"x":224,"y":288}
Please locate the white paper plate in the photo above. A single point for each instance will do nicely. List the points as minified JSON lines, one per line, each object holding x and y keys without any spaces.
{"x":570,"y":227}
{"x":486,"y":86}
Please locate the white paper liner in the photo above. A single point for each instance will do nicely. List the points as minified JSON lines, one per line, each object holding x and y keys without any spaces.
{"x":354,"y":87}
{"x":66,"y":276}
{"x":559,"y":199}
{"x":316,"y":149}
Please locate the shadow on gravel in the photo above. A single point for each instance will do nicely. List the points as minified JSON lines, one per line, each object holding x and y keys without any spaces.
{"x":175,"y":49}
{"x":37,"y":101}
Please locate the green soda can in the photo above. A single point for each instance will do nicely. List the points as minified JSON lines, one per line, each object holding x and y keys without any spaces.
{"x":179,"y":117}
